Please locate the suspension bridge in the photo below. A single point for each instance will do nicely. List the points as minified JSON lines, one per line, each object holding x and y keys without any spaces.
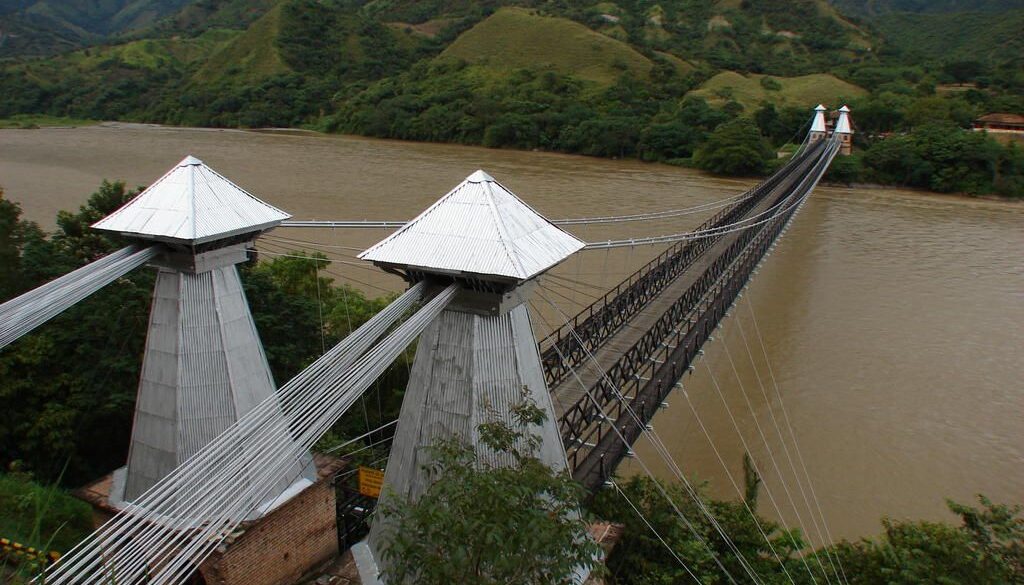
{"x":215,"y":444}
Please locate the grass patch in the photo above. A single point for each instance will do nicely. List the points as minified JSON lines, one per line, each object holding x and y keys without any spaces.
{"x":516,"y":38}
{"x":803,"y":91}
{"x":428,"y":29}
{"x":43,"y":517}
{"x":682,"y":66}
{"x":27,"y":121}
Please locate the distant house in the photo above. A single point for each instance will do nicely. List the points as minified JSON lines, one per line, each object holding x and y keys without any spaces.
{"x":1003,"y":127}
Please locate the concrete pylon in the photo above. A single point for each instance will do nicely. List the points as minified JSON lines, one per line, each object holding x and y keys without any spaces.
{"x":844,"y":128}
{"x":474,"y":361}
{"x":204,"y":366}
{"x":818,"y":128}
{"x":469,"y":368}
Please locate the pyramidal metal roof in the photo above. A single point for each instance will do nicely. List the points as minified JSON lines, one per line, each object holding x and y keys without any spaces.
{"x":479,"y":228}
{"x":192,"y":204}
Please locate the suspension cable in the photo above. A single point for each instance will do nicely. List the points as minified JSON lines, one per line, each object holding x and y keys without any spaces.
{"x":24,"y":313}
{"x":698,"y":501}
{"x":771,"y":455}
{"x":785,"y":447}
{"x":796,"y":446}
{"x":647,"y":470}
{"x":151,"y":527}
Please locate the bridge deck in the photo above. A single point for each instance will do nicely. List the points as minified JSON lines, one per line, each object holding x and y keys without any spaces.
{"x":569,"y":390}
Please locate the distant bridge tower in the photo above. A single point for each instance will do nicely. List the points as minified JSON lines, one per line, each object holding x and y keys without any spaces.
{"x":473,"y":362}
{"x":204,"y":365}
{"x":845,"y":131}
{"x":818,"y":128}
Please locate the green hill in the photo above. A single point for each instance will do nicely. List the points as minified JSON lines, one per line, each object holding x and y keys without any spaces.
{"x":43,"y":27}
{"x":514,"y":38}
{"x":100,"y":66}
{"x":196,"y":17}
{"x":751,"y":90}
{"x":248,"y":57}
{"x":106,"y":17}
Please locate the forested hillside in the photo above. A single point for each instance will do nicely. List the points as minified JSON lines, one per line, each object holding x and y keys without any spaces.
{"x":883,"y":7}
{"x":42,"y":27}
{"x":624,"y":79}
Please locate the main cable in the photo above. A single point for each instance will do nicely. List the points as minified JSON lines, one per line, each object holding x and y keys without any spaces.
{"x":391,"y":224}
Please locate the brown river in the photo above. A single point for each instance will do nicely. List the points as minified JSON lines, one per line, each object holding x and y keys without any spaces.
{"x":892,"y":322}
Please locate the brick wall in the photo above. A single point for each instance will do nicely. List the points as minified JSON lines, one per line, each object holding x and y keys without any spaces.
{"x":278,"y":549}
{"x":282,"y":546}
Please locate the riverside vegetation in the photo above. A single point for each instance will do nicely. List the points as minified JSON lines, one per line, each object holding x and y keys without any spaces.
{"x":655,"y":81}
{"x":69,"y":393}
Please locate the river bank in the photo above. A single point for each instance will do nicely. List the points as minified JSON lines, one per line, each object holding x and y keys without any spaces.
{"x":28,"y":122}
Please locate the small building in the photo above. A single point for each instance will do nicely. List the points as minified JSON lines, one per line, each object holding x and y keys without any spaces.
{"x":1002,"y":127}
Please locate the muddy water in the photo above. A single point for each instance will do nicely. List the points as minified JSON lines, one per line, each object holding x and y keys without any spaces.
{"x":891,"y":322}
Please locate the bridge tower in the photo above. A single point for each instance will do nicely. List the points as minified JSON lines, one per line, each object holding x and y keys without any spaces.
{"x":818,"y":128}
{"x":203,"y":366}
{"x":845,"y":131}
{"x":477,"y":357}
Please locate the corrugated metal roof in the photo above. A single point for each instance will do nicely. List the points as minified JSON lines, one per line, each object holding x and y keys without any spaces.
{"x":1000,"y":118}
{"x":481,"y":228}
{"x":192,"y":203}
{"x":819,"y":119}
{"x":843,"y":123}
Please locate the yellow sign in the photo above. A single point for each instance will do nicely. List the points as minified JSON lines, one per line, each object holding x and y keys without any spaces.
{"x":370,"y":481}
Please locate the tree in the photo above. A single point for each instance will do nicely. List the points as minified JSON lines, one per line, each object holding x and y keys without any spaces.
{"x":844,"y":169}
{"x":640,"y":558}
{"x":943,"y":158}
{"x":669,"y":140}
{"x":610,"y":136}
{"x":16,"y":235}
{"x":986,"y":549}
{"x":782,"y":126}
{"x":963,"y":71}
{"x":70,"y":385}
{"x":735,"y":148}
{"x":485,"y":524}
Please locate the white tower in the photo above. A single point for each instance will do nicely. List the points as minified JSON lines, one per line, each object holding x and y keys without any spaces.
{"x":479,"y":354}
{"x":845,"y":131}
{"x":204,"y":366}
{"x":818,"y":128}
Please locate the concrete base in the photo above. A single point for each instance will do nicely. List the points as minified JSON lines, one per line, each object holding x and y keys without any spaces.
{"x":369,"y":573}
